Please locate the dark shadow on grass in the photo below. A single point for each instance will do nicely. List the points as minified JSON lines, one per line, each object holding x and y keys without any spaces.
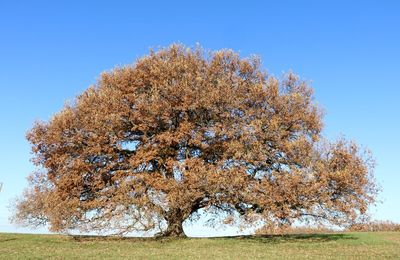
{"x":289,"y":238}
{"x":88,"y":238}
{"x":293,"y":238}
{"x":7,"y":239}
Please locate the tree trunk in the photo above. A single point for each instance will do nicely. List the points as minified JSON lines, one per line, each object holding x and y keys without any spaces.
{"x":175,"y":230}
{"x":175,"y":224}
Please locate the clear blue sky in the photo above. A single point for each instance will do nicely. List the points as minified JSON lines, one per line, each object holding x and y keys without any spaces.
{"x":350,"y":50}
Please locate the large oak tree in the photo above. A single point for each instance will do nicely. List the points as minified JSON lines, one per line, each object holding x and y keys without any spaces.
{"x":184,"y":130}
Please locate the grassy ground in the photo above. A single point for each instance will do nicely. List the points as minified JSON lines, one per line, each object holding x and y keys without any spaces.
{"x":376,"y":245}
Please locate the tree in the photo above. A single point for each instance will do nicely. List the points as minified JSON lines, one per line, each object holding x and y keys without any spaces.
{"x":181,"y":130}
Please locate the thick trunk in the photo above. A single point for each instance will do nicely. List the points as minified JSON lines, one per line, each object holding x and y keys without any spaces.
{"x":175,"y":230}
{"x":175,"y":224}
{"x":176,"y":216}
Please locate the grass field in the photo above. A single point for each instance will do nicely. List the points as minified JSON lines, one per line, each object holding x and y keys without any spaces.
{"x":375,"y":245}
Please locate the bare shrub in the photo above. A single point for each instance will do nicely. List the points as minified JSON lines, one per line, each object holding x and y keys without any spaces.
{"x":375,"y":226}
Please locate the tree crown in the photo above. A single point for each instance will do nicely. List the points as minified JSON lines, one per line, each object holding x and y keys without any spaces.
{"x":182,"y":130}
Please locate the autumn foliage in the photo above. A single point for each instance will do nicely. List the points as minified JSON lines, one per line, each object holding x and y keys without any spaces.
{"x":183,"y":132}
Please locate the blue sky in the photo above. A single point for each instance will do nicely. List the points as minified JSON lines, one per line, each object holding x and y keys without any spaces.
{"x":349,"y":50}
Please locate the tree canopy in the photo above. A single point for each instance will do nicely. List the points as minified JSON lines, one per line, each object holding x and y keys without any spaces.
{"x":183,"y":130}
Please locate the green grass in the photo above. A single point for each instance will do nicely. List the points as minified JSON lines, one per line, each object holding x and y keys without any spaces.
{"x":375,"y":245}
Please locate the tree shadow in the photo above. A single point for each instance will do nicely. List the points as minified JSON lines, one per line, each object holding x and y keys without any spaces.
{"x":100,"y":238}
{"x":7,"y":239}
{"x":269,"y":239}
{"x":293,"y":238}
{"x":88,"y":238}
